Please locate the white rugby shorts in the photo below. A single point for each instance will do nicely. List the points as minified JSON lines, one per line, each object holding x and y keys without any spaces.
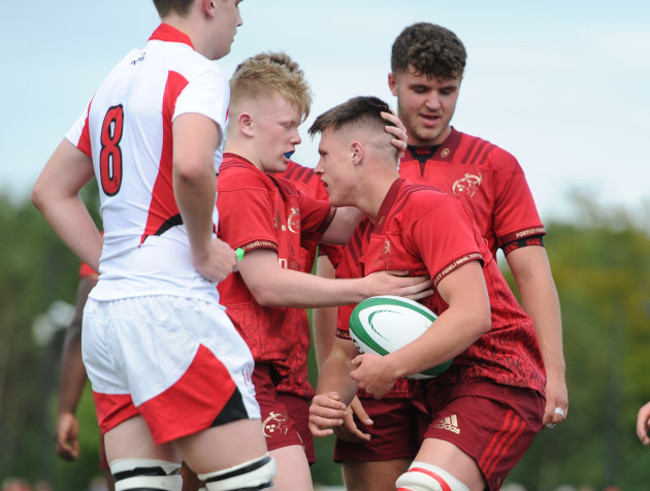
{"x":177,"y":362}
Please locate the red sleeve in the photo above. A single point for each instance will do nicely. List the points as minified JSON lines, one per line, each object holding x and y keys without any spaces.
{"x":85,"y":271}
{"x":445,"y":237}
{"x":515,"y":214}
{"x":250,"y":225}
{"x":316,"y":215}
{"x":334,"y":252}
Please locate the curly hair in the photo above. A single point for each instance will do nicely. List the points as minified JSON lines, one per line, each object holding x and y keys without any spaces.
{"x":430,"y":50}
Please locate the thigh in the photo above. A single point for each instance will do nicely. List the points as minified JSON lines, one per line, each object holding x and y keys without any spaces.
{"x":278,"y":424}
{"x":450,"y":458}
{"x":299,"y":414}
{"x":132,"y":439}
{"x":222,"y":446}
{"x":491,"y":423}
{"x":292,"y":469}
{"x":373,"y":476}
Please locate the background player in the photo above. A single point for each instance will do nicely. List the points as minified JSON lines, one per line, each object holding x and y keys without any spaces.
{"x":72,"y":380}
{"x":643,"y":423}
{"x":170,"y":374}
{"x":428,"y":63}
{"x":493,"y":392}
{"x":486,"y":178}
{"x":275,"y":224}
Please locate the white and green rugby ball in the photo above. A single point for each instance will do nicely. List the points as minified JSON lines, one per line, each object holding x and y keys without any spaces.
{"x":386,"y":323}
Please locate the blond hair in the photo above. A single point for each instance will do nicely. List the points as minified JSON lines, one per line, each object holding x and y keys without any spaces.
{"x":271,"y":73}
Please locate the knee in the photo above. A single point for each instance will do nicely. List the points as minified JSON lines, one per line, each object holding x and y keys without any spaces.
{"x":254,"y":474}
{"x":427,"y":477}
{"x":146,"y":474}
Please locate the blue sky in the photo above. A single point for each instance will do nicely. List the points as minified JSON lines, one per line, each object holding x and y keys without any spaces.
{"x":561,"y":85}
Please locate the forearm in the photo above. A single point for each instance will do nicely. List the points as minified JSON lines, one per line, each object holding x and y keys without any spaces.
{"x":542,"y":304}
{"x":335,"y":375}
{"x":324,"y":331}
{"x":540,"y":301}
{"x":195,"y":194}
{"x":273,"y":286}
{"x":324,"y":318}
{"x":56,"y":196}
{"x":302,"y":290}
{"x":73,"y":376}
{"x":73,"y":371}
{"x":70,"y":219}
{"x":195,"y":139}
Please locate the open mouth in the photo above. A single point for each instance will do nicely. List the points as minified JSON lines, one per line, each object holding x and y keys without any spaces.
{"x":430,"y":119}
{"x":288,"y":155}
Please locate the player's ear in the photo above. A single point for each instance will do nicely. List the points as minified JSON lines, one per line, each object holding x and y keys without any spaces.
{"x":356,"y":149}
{"x":392,"y":84}
{"x":208,"y":6}
{"x":245,"y":122}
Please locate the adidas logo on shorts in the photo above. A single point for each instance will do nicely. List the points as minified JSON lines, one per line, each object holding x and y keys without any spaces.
{"x":449,"y":423}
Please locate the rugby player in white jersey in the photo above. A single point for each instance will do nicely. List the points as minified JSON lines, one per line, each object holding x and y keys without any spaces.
{"x":170,"y":374}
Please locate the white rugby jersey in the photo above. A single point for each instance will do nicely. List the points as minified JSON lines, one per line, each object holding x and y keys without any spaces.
{"x":127,"y":130}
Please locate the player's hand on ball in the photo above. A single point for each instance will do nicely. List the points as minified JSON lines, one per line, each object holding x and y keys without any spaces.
{"x":326,"y":410}
{"x":373,"y":374}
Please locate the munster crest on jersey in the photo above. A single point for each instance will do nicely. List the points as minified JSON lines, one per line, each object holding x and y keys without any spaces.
{"x":293,"y":222}
{"x":468,"y":184}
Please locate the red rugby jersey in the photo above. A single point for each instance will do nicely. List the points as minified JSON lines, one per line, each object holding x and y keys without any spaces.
{"x":257,"y":210}
{"x":308,"y":182}
{"x":486,"y":178}
{"x":305,"y":181}
{"x":420,"y":229}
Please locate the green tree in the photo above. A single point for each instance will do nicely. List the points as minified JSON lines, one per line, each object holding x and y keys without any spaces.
{"x":602,"y":272}
{"x":36,"y":269}
{"x":601,"y":264}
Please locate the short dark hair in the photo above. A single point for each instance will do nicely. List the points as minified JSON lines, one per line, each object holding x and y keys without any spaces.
{"x":430,"y":50}
{"x":362,"y":109}
{"x":166,"y":7}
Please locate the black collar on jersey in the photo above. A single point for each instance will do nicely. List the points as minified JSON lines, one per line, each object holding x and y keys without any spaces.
{"x":422,"y":153}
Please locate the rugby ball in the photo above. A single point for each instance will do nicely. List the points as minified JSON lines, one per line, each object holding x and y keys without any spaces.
{"x":386,"y":323}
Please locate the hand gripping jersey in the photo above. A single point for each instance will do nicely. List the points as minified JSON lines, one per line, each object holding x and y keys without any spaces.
{"x":127,"y":130}
{"x":486,"y":178}
{"x":258,"y":210}
{"x":420,"y":229}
